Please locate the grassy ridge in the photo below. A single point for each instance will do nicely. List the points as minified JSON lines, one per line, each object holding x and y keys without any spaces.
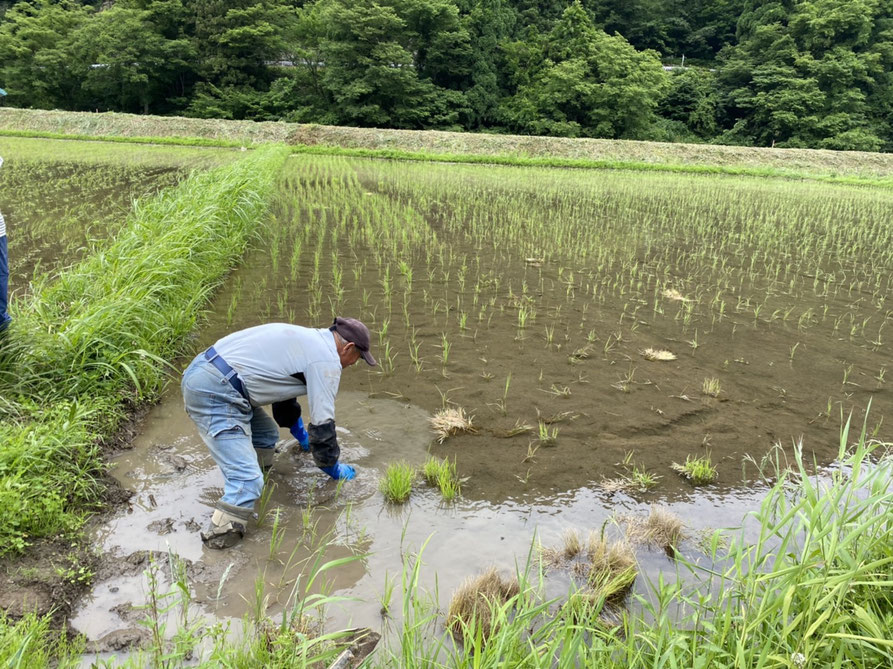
{"x":92,"y":343}
{"x":476,"y":146}
{"x":482,"y":159}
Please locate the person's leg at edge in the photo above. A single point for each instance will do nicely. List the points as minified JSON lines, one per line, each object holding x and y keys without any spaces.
{"x":223,"y":418}
{"x":264,"y":437}
{"x":4,"y":283}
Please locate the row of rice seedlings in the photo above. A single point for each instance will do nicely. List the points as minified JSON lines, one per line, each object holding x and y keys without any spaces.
{"x":56,"y":211}
{"x":397,"y":267}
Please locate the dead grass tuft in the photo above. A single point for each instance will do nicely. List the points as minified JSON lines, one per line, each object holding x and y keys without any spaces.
{"x":448,"y":422}
{"x":661,"y":528}
{"x":673,"y":294}
{"x":471,"y":605}
{"x":658,"y":354}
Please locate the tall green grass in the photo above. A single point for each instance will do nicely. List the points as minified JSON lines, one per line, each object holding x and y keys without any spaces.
{"x":813,"y":588}
{"x":89,"y":345}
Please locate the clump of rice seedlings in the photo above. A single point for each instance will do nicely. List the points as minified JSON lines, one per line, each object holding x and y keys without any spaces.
{"x":661,"y":528}
{"x":546,"y":435}
{"x":448,"y":422}
{"x":658,"y":354}
{"x":397,"y":482}
{"x":582,"y":353}
{"x":642,"y":478}
{"x":638,"y":476}
{"x":442,"y":474}
{"x":472,"y":605}
{"x":699,"y":471}
{"x":711,"y":386}
{"x":673,"y":294}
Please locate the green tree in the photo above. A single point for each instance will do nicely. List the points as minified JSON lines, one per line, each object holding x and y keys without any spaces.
{"x":588,"y":84}
{"x":36,"y":70}
{"x":491,"y":24}
{"x":392,"y":63}
{"x":125,"y":63}
{"x":811,"y":73}
{"x":237,"y":43}
{"x":693,"y":100}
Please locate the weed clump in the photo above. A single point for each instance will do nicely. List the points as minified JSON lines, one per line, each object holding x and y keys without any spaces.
{"x":699,"y":471}
{"x":473,"y":605}
{"x":612,"y":568}
{"x":607,"y":570}
{"x":448,"y":422}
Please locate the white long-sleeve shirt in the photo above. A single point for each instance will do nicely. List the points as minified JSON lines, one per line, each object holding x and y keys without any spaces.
{"x":279,"y":361}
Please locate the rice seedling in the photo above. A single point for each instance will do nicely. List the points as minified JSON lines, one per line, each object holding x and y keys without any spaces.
{"x":472,"y":607}
{"x":698,"y":470}
{"x":547,"y":436}
{"x":396,"y":484}
{"x":518,"y":428}
{"x":449,"y":422}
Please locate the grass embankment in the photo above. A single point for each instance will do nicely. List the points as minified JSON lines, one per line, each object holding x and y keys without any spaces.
{"x":808,"y":584}
{"x":837,"y":166}
{"x":88,"y":346}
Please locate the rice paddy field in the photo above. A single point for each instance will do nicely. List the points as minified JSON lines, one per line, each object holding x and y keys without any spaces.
{"x":620,"y":418}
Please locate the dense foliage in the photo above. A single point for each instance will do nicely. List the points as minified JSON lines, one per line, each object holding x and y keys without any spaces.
{"x":810,"y":73}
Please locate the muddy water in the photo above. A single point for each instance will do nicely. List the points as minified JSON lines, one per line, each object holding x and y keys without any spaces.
{"x":176,"y":483}
{"x":544,"y":325}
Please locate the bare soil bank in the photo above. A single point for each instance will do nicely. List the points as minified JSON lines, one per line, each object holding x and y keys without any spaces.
{"x":809,"y":161}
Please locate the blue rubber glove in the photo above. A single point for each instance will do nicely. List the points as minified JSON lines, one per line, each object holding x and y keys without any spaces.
{"x":339,"y":471}
{"x":298,"y":432}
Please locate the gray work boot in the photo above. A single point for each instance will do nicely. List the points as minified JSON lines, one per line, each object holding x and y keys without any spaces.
{"x":227,"y":526}
{"x":265,"y":458}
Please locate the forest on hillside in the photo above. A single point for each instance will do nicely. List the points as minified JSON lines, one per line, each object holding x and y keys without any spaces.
{"x":787,"y":73}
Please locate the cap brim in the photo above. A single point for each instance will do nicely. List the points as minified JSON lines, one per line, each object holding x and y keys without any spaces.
{"x":368,"y":357}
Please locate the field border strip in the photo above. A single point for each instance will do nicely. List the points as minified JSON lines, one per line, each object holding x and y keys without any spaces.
{"x":472,"y":158}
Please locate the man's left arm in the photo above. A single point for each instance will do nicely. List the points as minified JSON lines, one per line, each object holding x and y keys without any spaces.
{"x":322,"y":386}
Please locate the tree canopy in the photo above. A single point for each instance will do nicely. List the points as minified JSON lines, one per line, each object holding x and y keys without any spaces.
{"x":800,"y":73}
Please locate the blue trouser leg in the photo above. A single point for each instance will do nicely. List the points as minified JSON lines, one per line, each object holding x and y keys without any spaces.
{"x":231,"y":428}
{"x":4,"y":282}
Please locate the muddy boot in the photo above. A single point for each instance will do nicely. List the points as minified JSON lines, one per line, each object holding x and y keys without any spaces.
{"x":227,"y":526}
{"x":265,"y":459}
